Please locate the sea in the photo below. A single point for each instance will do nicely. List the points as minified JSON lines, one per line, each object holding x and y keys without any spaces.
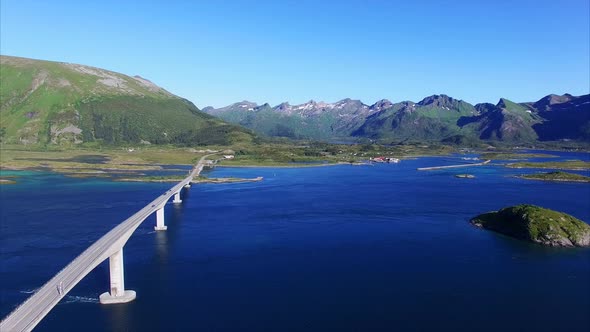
{"x":381,"y":247}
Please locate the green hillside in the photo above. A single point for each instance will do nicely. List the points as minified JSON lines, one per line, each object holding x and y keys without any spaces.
{"x":271,"y":123}
{"x":312,"y":120}
{"x":434,"y":118}
{"x":53,"y":103}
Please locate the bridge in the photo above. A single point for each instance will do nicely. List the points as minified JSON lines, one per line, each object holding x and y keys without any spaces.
{"x":35,"y":308}
{"x":453,"y":166}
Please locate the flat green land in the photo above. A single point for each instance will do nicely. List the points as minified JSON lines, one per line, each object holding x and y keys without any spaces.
{"x":510,"y":156}
{"x":86,"y":161}
{"x":140,"y":178}
{"x":95,"y":161}
{"x":557,"y":176}
{"x":318,"y":154}
{"x":578,"y":165}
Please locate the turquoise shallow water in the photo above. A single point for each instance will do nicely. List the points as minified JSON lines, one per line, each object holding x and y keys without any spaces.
{"x":346,"y":248}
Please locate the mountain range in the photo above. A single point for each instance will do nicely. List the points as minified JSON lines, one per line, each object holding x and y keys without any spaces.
{"x":437,"y":117}
{"x":55,"y":103}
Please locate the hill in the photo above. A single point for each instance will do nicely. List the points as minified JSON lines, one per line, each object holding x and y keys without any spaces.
{"x":435,"y":118}
{"x":54,"y":103}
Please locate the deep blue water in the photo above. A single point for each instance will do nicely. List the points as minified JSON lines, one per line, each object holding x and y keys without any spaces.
{"x":343,"y":248}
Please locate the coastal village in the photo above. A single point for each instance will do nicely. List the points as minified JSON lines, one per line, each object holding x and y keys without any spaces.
{"x":384,"y":160}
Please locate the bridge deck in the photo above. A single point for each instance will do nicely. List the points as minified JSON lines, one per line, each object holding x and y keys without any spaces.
{"x":452,"y":166}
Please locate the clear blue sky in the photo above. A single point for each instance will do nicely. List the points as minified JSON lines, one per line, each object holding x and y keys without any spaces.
{"x":219,"y":52}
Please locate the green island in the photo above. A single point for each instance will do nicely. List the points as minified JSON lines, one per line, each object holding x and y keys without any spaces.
{"x":556,"y":176}
{"x":577,"y":165}
{"x":536,"y":224}
{"x":514,"y":156}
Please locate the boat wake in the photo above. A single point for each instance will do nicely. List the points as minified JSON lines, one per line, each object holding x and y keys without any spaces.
{"x":30,"y":291}
{"x":78,"y":299}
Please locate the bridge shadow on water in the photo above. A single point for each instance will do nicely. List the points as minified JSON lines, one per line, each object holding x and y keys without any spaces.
{"x":173,"y":214}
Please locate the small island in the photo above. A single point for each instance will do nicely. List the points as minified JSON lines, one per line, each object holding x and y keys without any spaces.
{"x":577,"y":165}
{"x":514,"y":156}
{"x":557,"y":176}
{"x":538,"y":225}
{"x":465,"y":176}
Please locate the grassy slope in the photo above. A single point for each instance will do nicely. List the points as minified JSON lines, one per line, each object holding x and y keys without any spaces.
{"x":429,"y":122}
{"x":274,"y":123}
{"x":41,"y":98}
{"x":517,"y":125}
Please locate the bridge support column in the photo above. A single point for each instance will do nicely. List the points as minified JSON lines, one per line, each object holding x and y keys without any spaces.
{"x":177,"y":198}
{"x":118,"y":294}
{"x":188,"y":185}
{"x":160,"y":220}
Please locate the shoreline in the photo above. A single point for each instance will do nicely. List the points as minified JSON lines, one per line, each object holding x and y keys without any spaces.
{"x":68,"y":169}
{"x":155,"y":167}
{"x":109,"y":169}
{"x":208,"y":180}
{"x":105,"y":172}
{"x":549,"y":168}
{"x":292,"y":166}
{"x":551,"y":180}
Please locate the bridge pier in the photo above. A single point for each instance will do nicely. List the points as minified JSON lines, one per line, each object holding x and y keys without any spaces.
{"x":188,"y":185}
{"x":160,"y":220}
{"x":118,"y":294}
{"x":177,"y":199}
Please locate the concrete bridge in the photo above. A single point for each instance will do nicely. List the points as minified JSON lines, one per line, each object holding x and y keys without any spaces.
{"x":453,"y":166}
{"x":110,"y":246}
